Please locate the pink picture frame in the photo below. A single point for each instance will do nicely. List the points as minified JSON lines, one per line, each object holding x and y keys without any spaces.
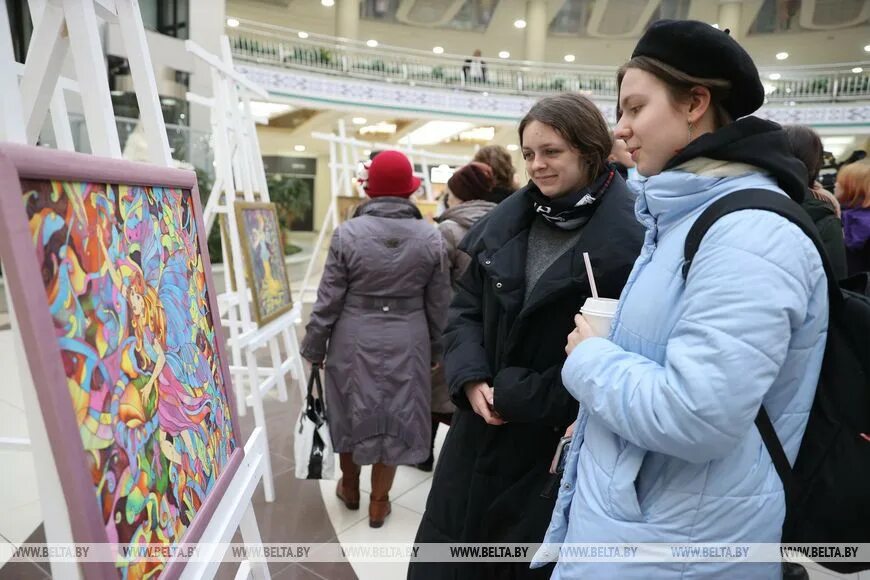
{"x":20,"y":168}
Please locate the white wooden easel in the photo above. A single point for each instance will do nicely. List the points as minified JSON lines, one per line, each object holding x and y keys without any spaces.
{"x":62,"y":26}
{"x":239,"y":169}
{"x":345,"y":153}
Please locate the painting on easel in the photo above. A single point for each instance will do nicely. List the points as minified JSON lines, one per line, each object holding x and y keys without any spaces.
{"x":264,"y":259}
{"x":110,"y":259}
{"x":346,"y":206}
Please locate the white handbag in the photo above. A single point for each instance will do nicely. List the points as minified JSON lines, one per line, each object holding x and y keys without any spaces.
{"x":312,"y":447}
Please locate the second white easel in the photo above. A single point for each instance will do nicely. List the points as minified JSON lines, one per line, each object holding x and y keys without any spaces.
{"x":239,"y":172}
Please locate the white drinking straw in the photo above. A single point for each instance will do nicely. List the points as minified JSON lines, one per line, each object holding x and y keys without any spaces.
{"x":590,"y":275}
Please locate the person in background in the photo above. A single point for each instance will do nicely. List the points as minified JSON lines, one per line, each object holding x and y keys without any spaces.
{"x":853,"y":191}
{"x":504,"y":345}
{"x":820,"y":204}
{"x":665,"y":449}
{"x":474,"y":69}
{"x":380,"y":311}
{"x":621,"y":158}
{"x":499,"y":160}
{"x":467,"y":192}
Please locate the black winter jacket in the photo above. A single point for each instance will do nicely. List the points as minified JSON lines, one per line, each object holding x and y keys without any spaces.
{"x":492,"y":482}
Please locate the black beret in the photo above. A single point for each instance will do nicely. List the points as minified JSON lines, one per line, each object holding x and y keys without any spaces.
{"x":699,"y":50}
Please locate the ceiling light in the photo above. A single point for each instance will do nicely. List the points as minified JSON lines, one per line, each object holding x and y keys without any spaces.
{"x":438,"y":49}
{"x":378,"y":128}
{"x":303,"y":35}
{"x":485,"y":94}
{"x":299,"y":148}
{"x":837,"y":145}
{"x":435,"y":132}
{"x":504,"y":54}
{"x":359,"y":120}
{"x":519,"y":23}
{"x":867,"y":48}
{"x":372,"y":43}
{"x":232,"y":22}
{"x":781,"y":55}
{"x":774,"y":76}
{"x":483,"y":134}
{"x":569,"y":58}
{"x":328,"y":3}
{"x":513,"y":147}
{"x":716,"y":26}
{"x":268,"y":110}
{"x":857,"y":70}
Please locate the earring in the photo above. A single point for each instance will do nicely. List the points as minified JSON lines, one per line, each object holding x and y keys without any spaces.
{"x":690,"y":131}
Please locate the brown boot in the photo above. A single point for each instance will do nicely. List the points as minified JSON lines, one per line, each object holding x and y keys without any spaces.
{"x":348,"y":485}
{"x":382,"y":481}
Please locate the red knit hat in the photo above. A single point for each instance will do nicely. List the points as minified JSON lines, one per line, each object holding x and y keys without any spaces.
{"x":391,"y":174}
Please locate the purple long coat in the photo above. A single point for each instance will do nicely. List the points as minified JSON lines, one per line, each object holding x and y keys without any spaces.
{"x":381,"y":307}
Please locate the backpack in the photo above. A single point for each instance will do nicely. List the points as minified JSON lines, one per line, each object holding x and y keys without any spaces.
{"x":827,"y":494}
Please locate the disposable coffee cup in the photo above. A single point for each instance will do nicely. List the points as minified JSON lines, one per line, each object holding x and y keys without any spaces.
{"x":598,"y":313}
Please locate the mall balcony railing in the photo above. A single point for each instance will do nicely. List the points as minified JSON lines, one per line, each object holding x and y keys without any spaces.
{"x":288,"y":48}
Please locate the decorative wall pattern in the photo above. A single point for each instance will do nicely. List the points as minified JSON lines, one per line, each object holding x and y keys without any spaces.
{"x":338,"y":91}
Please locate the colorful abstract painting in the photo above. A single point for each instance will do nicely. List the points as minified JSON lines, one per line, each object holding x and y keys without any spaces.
{"x":126,"y":286}
{"x":264,"y":259}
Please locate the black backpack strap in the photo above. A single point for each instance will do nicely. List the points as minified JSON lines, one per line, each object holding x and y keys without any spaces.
{"x":777,"y":454}
{"x":764,"y":199}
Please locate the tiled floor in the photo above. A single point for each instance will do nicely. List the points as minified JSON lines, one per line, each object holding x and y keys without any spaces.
{"x":408,"y":498}
{"x":303,"y":511}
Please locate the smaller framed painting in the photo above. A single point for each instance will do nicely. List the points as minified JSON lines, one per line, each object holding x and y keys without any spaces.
{"x":229,"y":267}
{"x":346,"y":206}
{"x":263,"y":253}
{"x":428,"y":208}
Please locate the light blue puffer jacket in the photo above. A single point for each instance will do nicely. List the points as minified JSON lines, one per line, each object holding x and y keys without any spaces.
{"x":665,"y":448}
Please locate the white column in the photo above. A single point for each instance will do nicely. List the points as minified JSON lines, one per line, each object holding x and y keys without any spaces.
{"x":207,"y":20}
{"x":536,"y":29}
{"x":729,"y":17}
{"x":347,"y":19}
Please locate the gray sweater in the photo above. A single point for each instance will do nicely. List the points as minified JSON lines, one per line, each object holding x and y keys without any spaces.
{"x":546,"y":244}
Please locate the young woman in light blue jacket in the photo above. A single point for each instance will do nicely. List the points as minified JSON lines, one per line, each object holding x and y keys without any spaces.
{"x":665,"y":448}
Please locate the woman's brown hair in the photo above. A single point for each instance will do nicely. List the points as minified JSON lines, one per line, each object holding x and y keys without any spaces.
{"x":499,"y":160}
{"x":579,"y":122}
{"x":806,"y":145}
{"x":679,"y":86}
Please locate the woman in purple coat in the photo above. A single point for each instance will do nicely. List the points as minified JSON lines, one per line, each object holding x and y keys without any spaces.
{"x":381,"y":307}
{"x":853,"y":192}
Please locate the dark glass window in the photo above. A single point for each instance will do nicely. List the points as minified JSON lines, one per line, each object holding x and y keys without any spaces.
{"x":170,"y":17}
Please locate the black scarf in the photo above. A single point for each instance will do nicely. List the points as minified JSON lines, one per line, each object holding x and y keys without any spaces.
{"x":572,"y":210}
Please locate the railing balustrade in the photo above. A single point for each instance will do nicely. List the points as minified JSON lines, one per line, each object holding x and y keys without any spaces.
{"x":283,"y":47}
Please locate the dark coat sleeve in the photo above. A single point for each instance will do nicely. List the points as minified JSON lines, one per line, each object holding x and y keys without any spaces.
{"x":330,"y":303}
{"x":437,"y":299}
{"x":465,"y":358}
{"x":831,"y":232}
{"x":521,"y":395}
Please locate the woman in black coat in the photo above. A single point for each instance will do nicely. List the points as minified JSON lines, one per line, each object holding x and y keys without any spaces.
{"x":504,"y":345}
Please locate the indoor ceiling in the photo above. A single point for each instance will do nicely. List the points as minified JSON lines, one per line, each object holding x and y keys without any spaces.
{"x":606,"y":18}
{"x":285,"y":133}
